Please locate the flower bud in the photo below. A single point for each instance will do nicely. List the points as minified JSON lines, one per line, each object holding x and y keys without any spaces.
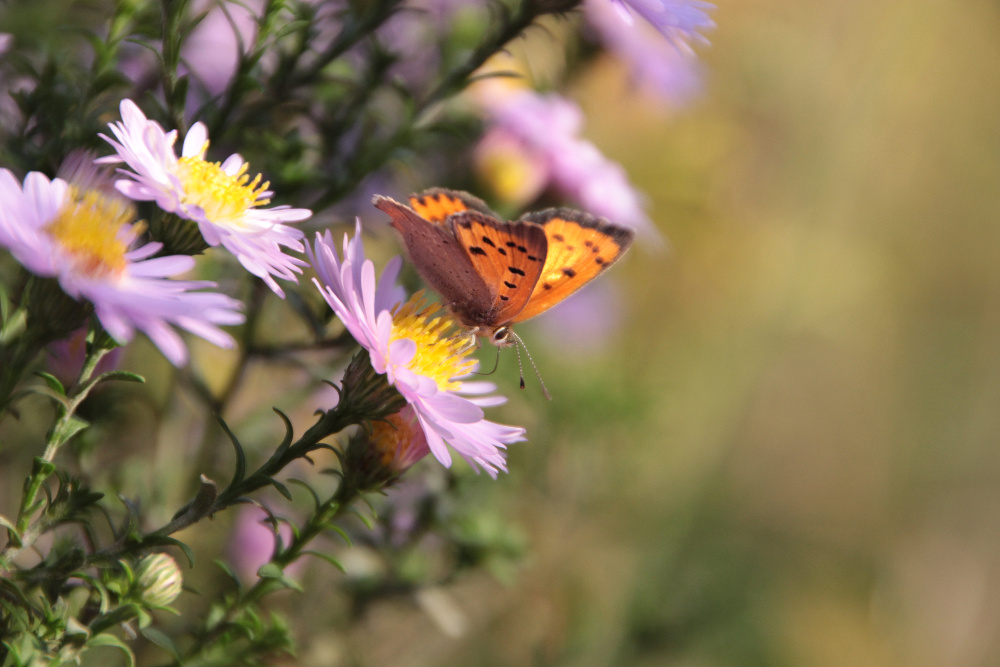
{"x":158,"y":580}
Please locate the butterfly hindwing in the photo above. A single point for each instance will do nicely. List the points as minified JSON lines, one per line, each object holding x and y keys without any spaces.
{"x":440,"y":259}
{"x":509,"y":255}
{"x":580,"y":246}
{"x":436,"y":204}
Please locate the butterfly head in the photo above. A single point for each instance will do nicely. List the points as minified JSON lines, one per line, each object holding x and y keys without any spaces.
{"x":502,"y":336}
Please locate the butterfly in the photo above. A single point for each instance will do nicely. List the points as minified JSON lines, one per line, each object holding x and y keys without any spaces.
{"x":491,"y":273}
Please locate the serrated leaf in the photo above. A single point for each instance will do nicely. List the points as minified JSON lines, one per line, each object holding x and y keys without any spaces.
{"x":328,"y":558}
{"x":109,"y":640}
{"x":270,"y":571}
{"x":53,"y":382}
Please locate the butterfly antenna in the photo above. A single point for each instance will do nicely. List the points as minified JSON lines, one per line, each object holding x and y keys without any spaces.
{"x":496,"y":365}
{"x":520,"y":344}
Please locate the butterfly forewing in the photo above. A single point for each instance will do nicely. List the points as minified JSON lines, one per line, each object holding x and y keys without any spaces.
{"x":436,"y":204}
{"x":580,"y":246}
{"x":442,"y":262}
{"x":509,"y":255}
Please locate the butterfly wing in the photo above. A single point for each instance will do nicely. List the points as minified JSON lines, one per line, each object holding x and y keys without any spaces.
{"x":508,"y":255}
{"x":441,"y":260}
{"x":436,"y":204}
{"x":580,"y":246}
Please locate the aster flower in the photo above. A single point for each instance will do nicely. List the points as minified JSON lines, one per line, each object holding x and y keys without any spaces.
{"x":220,"y":197}
{"x":412,"y":343}
{"x":84,"y":237}
{"x":547,"y":129}
{"x":678,"y":20}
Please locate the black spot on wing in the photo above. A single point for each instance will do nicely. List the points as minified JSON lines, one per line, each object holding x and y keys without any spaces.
{"x":488,"y":241}
{"x":502,"y":251}
{"x":559,"y":237}
{"x":546,"y":286}
{"x":510,"y":285}
{"x":476,"y":250}
{"x":570,"y":273}
{"x":515,"y":270}
{"x":504,"y":298}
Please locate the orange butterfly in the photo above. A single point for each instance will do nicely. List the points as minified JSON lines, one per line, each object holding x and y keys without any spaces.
{"x":492,"y":274}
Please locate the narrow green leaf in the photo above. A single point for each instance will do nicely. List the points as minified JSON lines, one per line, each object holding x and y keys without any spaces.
{"x":164,"y":540}
{"x":230,"y":573}
{"x":282,"y":489}
{"x":53,"y":382}
{"x":241,"y":460}
{"x":124,"y":376}
{"x":270,"y":571}
{"x":340,"y":531}
{"x":162,"y":640}
{"x":328,"y":558}
{"x":112,"y":641}
{"x":316,"y":501}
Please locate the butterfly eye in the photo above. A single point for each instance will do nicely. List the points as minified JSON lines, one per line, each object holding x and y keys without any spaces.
{"x":500,"y":335}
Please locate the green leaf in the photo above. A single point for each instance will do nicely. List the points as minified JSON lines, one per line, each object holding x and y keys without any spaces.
{"x":230,"y":573}
{"x":53,"y":382}
{"x":165,"y":540}
{"x":340,"y":531}
{"x":282,"y":489}
{"x":270,"y":571}
{"x":124,"y":376}
{"x":69,"y":428}
{"x":112,"y":641}
{"x":316,"y":501}
{"x":241,"y":460}
{"x":328,"y":558}
{"x":162,"y":640}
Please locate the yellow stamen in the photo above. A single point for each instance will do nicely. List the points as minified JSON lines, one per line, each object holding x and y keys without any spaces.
{"x":89,"y":227}
{"x":440,"y":355}
{"x":224,"y":198}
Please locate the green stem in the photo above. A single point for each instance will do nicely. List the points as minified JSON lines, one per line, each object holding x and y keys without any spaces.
{"x":320,"y":521}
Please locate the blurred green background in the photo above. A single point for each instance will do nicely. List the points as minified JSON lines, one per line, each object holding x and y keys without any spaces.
{"x":789,"y":453}
{"x":791,"y":456}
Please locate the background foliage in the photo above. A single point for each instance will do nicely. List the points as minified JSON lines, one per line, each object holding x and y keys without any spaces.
{"x":786,"y":455}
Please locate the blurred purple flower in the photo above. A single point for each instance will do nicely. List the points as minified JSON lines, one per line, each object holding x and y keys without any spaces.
{"x":252,"y":542}
{"x":678,"y":20}
{"x":587,"y":322}
{"x":547,"y":128}
{"x":670,"y":73}
{"x":64,"y":358}
{"x":211,"y":52}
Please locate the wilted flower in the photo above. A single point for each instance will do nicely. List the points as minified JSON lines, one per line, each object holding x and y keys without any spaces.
{"x":84,"y":238}
{"x":220,"y":197}
{"x":386,"y":451}
{"x":415,"y":346}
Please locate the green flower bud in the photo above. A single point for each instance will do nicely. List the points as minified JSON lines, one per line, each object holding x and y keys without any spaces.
{"x":158,"y":580}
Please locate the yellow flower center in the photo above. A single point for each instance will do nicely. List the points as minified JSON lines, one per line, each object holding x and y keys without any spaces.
{"x":88,"y":227}
{"x":440,"y":355}
{"x":225,"y":198}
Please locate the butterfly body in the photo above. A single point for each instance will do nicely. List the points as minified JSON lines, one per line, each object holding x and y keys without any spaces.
{"x":492,"y":273}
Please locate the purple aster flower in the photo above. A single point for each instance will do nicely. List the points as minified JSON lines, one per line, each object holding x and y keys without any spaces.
{"x":220,"y":197}
{"x":414,"y":345}
{"x":547,"y":129}
{"x":253,"y":540}
{"x":678,"y":20}
{"x":84,"y":237}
